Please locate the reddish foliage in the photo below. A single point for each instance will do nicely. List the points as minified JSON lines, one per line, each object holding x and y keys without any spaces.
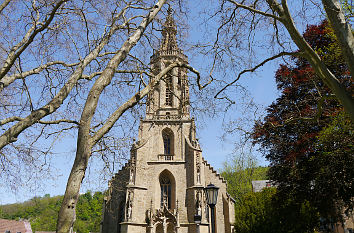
{"x":288,"y":133}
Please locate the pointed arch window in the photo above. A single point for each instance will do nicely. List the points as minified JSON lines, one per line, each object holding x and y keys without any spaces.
{"x":166,"y":191}
{"x":167,"y":136}
{"x":167,"y":144}
{"x":169,"y":90}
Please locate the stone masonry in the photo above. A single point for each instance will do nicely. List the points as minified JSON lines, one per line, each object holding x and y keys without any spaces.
{"x":160,"y":189}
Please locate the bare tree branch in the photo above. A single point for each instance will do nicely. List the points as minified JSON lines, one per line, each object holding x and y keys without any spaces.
{"x":7,"y":80}
{"x":15,"y":118}
{"x":4,"y":4}
{"x":284,"y":16}
{"x":17,"y":50}
{"x":256,"y":67}
{"x":11,"y":134}
{"x":255,"y":10}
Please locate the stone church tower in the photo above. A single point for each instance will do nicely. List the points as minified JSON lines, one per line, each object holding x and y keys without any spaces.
{"x":160,"y":189}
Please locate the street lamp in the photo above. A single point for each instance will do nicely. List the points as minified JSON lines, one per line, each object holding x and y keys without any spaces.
{"x":211,"y":193}
{"x":197,"y":220}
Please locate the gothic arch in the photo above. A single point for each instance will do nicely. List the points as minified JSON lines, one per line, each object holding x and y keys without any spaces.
{"x":171,"y":228}
{"x":169,"y":90}
{"x":167,"y":189}
{"x":159,"y":228}
{"x":168,"y":143}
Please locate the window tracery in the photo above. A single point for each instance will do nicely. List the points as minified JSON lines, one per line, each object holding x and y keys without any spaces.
{"x":166,"y":191}
{"x":169,"y":90}
{"x":168,"y":143}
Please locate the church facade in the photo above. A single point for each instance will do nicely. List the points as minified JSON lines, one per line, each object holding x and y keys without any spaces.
{"x":160,"y":189}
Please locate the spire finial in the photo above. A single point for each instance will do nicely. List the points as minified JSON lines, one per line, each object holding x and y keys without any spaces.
{"x":169,"y":10}
{"x":169,"y":31}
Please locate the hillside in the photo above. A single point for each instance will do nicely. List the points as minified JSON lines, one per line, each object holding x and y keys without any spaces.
{"x":42,"y":212}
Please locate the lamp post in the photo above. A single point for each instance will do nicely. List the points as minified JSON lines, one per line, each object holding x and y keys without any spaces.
{"x":197,"y":220}
{"x":211,"y":193}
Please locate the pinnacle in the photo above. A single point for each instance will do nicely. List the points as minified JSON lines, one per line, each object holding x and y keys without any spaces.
{"x":169,"y":31}
{"x":169,"y":10}
{"x":170,"y":23}
{"x":169,"y":46}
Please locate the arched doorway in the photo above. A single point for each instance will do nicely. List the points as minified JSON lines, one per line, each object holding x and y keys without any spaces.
{"x":159,"y":228}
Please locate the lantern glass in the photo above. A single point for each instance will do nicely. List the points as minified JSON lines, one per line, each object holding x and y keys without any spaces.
{"x":211,"y":192}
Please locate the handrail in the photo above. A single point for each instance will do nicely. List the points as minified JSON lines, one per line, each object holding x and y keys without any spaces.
{"x":167,"y":157}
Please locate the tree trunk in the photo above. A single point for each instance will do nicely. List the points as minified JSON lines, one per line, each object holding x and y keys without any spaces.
{"x":344,"y":97}
{"x":67,"y":214}
{"x":342,"y":30}
{"x":66,"y":217}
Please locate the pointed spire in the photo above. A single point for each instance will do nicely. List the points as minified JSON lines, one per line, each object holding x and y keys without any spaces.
{"x":169,"y":31}
{"x":168,"y":46}
{"x":169,"y":19}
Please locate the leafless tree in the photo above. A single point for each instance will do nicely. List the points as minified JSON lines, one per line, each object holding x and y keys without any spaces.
{"x":272,"y":26}
{"x":61,"y":64}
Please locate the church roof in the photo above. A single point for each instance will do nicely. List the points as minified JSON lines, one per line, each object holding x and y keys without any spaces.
{"x":15,"y":226}
{"x":222,"y":179}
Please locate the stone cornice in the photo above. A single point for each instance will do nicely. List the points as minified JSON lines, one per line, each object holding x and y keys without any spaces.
{"x":167,"y":121}
{"x":131,"y":186}
{"x":165,"y":162}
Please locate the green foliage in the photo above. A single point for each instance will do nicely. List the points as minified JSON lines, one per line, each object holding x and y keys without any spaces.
{"x":334,"y":167}
{"x":347,"y":6}
{"x":305,"y":134}
{"x":239,"y":171}
{"x":89,"y":211}
{"x":261,"y":213}
{"x":42,"y":212}
{"x":240,"y":181}
{"x":254,"y":212}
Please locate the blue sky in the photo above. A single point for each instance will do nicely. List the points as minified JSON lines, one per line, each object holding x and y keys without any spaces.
{"x":260,"y":85}
{"x":215,"y":150}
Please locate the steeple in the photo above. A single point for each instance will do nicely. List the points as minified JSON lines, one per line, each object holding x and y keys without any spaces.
{"x":169,"y":32}
{"x":170,"y":100}
{"x":166,"y":166}
{"x":169,"y":44}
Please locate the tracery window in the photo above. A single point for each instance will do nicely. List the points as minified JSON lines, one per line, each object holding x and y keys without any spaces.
{"x":166,"y":191}
{"x":167,"y":144}
{"x":167,"y":136}
{"x":169,"y":90}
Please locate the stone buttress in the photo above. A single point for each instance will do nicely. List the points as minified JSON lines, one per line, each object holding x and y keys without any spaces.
{"x":160,"y":189}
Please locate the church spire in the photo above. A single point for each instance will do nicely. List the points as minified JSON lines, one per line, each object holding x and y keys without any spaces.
{"x":169,"y":46}
{"x":169,"y":31}
{"x":170,"y":100}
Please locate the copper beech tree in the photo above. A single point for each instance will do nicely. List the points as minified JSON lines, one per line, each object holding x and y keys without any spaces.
{"x":306,"y":135}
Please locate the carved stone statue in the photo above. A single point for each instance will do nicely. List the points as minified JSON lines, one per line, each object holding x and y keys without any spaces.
{"x":129,"y":206}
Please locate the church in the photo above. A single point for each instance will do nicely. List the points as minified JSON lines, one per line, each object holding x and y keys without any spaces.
{"x":161,"y":188}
